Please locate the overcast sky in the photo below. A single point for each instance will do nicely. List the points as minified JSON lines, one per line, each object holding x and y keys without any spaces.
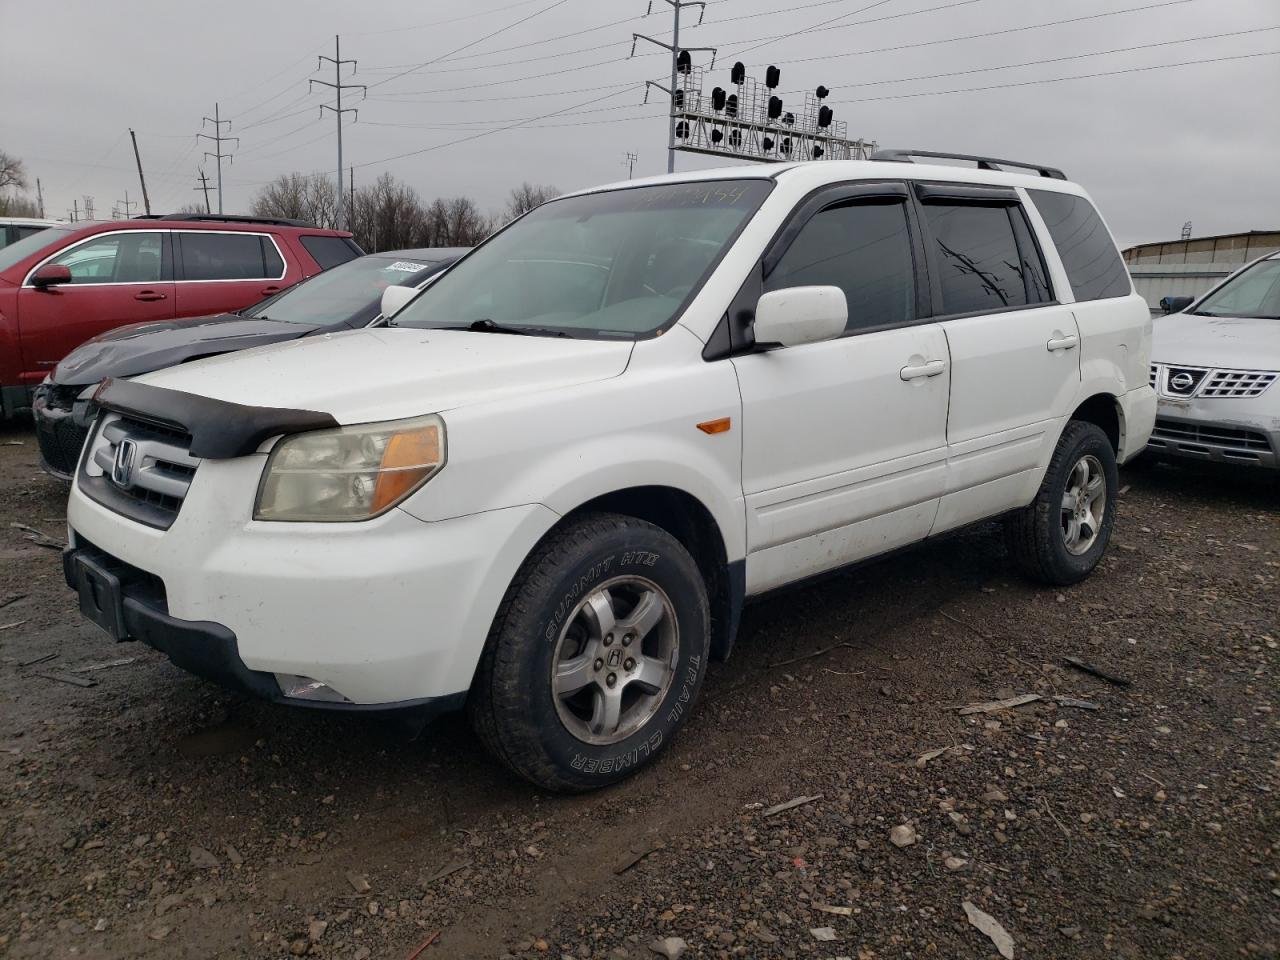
{"x":1155,"y":147}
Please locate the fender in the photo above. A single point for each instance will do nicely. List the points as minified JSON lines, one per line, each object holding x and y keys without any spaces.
{"x":563,"y":448}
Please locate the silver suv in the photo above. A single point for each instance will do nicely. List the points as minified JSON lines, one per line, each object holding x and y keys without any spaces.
{"x":1214,"y":368}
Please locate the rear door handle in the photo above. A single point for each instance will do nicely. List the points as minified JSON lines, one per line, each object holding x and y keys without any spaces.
{"x":1062,"y":343}
{"x":148,"y":295}
{"x":267,"y":291}
{"x":930,"y":369}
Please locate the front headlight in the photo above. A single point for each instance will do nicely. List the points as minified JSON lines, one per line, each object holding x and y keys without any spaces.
{"x":351,"y":473}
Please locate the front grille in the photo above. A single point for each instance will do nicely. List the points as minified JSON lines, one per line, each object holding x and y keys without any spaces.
{"x":149,"y":480}
{"x":1209,"y":435}
{"x":1182,"y":381}
{"x":1210,"y":383}
{"x":1237,"y":383}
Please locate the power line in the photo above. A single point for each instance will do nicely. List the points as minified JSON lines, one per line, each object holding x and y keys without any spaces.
{"x":466,"y":46}
{"x":486,"y":133}
{"x":815,"y":27}
{"x":559,"y":55}
{"x":981,"y":36}
{"x":1074,"y":56}
{"x":439,"y":23}
{"x":1084,"y":76}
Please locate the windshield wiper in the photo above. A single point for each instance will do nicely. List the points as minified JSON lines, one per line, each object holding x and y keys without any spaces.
{"x":485,"y":325}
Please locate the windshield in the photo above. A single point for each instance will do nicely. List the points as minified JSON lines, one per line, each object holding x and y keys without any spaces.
{"x":1255,"y":292}
{"x":349,"y":293}
{"x":21,"y":249}
{"x":618,"y":263}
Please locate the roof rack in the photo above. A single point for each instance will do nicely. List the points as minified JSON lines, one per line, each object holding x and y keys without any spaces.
{"x":984,"y":163}
{"x":226,"y":218}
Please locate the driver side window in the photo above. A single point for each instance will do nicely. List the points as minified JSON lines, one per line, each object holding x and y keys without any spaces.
{"x":865,"y":250}
{"x":132,"y":257}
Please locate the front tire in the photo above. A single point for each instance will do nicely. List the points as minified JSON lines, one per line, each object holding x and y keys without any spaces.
{"x":1061,"y":536}
{"x":596,"y":656}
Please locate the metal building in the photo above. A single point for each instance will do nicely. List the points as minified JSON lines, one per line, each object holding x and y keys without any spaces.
{"x":1188,"y":268}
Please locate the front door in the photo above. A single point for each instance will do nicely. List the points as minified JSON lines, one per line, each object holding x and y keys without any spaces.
{"x":844,"y":442}
{"x":116,"y":278}
{"x":1015,"y":358}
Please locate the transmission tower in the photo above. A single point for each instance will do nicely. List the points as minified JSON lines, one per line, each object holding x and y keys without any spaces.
{"x":681,"y":62}
{"x":218,"y":140}
{"x":338,"y":86}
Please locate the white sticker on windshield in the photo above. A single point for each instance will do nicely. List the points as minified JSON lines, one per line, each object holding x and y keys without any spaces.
{"x":404,"y":266}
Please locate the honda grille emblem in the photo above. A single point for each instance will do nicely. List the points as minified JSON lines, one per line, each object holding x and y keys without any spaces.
{"x":122,"y":466}
{"x":1182,"y":382}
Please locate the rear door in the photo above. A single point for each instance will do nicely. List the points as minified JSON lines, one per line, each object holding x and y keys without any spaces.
{"x":117,"y":278}
{"x":223,"y":270}
{"x":844,"y":441}
{"x":1014,"y":350}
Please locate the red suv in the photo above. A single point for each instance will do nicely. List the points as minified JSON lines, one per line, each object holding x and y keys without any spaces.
{"x":63,"y":285}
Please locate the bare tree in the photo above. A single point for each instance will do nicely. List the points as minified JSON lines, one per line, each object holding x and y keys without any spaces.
{"x":18,"y":206}
{"x":388,"y":215}
{"x":12,"y":172}
{"x":299,"y":196}
{"x":525,"y":197}
{"x":193,"y":208}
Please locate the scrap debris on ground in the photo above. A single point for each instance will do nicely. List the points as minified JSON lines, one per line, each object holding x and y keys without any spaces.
{"x":830,"y":798}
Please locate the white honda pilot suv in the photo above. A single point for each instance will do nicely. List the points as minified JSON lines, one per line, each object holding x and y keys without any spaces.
{"x":545,"y":490}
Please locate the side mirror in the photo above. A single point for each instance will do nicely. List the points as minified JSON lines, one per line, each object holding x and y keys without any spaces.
{"x":800,"y":315}
{"x":394,"y":299}
{"x":1175,"y":304}
{"x":50,"y":275}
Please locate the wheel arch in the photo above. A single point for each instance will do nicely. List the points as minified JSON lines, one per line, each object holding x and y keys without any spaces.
{"x":1104,"y":411}
{"x":694,"y":526}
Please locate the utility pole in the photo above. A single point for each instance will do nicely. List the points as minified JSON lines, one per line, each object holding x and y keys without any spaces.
{"x":88,"y":207}
{"x":630,"y":160}
{"x":218,"y":140}
{"x":40,"y":197}
{"x":338,"y":86}
{"x":351,"y":198}
{"x":146,"y":201}
{"x":75,"y":211}
{"x":126,"y":203}
{"x":680,"y":62}
{"x":204,"y":185}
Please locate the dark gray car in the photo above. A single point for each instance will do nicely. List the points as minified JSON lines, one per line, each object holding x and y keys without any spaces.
{"x":347,"y":296}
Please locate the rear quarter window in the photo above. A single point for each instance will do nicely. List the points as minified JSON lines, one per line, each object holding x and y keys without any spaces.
{"x":330,"y":251}
{"x":1092,"y":262}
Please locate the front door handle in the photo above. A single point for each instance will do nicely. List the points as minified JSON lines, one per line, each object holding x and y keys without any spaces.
{"x":268,"y":291}
{"x":930,"y":369}
{"x":1062,"y":343}
{"x":148,"y":295}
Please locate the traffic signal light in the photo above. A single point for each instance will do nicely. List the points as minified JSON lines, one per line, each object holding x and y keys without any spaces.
{"x":775,"y":108}
{"x":824,"y":116}
{"x":738,"y":74}
{"x":772,"y":76}
{"x":717,"y":99}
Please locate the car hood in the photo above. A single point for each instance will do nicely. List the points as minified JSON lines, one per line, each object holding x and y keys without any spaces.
{"x":387,"y":373}
{"x":142,"y":347}
{"x":1237,"y":342}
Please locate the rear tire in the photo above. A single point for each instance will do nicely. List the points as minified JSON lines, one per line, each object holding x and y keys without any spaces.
{"x":1061,"y":536}
{"x":596,"y":656}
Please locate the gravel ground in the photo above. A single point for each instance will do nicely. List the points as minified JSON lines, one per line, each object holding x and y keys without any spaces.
{"x":153,"y":815}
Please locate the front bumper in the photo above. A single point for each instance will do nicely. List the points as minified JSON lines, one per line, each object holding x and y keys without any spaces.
{"x":62,"y":425}
{"x":1233,"y":431}
{"x":387,"y":612}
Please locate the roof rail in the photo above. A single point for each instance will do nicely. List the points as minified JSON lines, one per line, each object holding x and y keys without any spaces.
{"x":984,"y":163}
{"x":226,"y":218}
